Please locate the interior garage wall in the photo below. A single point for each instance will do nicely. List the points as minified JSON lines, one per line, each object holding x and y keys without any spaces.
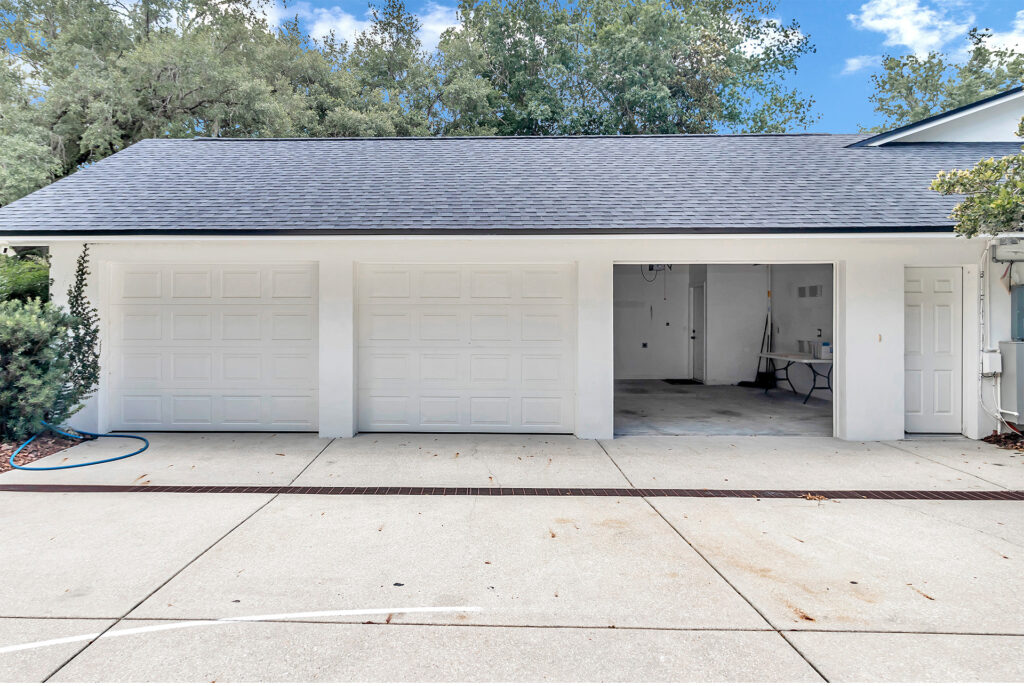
{"x":654,"y":313}
{"x":795,"y":318}
{"x":737,"y":296}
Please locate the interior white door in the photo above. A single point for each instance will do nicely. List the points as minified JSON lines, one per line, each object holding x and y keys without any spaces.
{"x":698,"y":306}
{"x":934,"y":349}
{"x":213,"y":347}
{"x":482,"y":348}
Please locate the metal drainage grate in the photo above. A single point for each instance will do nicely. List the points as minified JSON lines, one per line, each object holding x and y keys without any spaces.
{"x":515,"y":491}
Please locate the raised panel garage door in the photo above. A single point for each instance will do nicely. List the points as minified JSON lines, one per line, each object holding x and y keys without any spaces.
{"x":213,"y":347}
{"x":466,"y":348}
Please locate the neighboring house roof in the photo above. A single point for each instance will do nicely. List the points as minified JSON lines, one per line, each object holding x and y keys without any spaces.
{"x":922,"y":126}
{"x":628,"y":184}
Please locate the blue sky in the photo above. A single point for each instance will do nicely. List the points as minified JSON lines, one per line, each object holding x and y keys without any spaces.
{"x":850,"y":35}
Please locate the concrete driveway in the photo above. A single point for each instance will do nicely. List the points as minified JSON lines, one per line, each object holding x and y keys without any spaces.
{"x":303,"y":587}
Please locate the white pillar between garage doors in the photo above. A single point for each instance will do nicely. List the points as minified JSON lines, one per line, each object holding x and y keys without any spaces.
{"x":595,"y":335}
{"x":869,"y":348}
{"x":337,"y":348}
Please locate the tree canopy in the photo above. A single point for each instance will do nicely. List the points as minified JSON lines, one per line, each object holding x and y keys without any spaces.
{"x":82,"y":79}
{"x":994,"y":190}
{"x":909,"y":88}
{"x":524,"y":67}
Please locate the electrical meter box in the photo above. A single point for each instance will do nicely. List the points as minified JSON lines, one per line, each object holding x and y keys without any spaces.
{"x":1011,"y":383}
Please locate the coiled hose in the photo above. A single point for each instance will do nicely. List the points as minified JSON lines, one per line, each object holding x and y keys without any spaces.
{"x":74,"y":466}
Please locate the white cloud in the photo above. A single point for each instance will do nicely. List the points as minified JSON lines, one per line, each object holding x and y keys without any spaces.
{"x":319,"y":21}
{"x":345,"y":26}
{"x":855,"y":64}
{"x":275,"y":13}
{"x":773,"y":36}
{"x":435,"y":21}
{"x":1014,"y":38}
{"x":909,"y":23}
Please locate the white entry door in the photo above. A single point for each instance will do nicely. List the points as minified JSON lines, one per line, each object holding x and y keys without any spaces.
{"x":482,"y":348}
{"x":203,"y":347}
{"x":934,"y":349}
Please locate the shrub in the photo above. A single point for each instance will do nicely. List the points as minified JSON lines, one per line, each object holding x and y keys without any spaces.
{"x":33,"y":366}
{"x":24,"y":278}
{"x":49,"y":359}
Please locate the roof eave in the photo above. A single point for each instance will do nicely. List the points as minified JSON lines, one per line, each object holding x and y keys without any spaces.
{"x":411,"y":232}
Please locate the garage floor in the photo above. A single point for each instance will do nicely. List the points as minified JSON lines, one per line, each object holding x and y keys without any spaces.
{"x":657,"y":408}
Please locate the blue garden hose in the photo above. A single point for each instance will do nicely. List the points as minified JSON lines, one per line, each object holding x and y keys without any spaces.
{"x":73,"y":466}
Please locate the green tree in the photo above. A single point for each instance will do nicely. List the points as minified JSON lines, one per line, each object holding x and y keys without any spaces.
{"x":83,"y":79}
{"x":607,"y":67}
{"x":909,"y":88}
{"x":391,"y":67}
{"x":24,"y":277}
{"x":994,"y":191}
{"x":27,"y":160}
{"x":33,"y":348}
{"x":652,"y":69}
{"x":503,"y":65}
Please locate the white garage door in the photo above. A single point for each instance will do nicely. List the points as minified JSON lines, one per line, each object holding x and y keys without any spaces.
{"x":213,"y":347}
{"x":466,"y":348}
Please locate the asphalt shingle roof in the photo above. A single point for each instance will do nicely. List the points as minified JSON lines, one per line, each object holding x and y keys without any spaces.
{"x":719,"y":184}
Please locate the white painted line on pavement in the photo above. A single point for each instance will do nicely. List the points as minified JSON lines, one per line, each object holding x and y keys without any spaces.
{"x":229,"y":620}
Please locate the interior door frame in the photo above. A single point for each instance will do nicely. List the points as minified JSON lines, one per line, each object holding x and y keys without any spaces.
{"x":693,"y":332}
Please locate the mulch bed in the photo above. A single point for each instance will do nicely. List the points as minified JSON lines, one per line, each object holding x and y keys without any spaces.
{"x":43,"y":446}
{"x":1008,"y":440}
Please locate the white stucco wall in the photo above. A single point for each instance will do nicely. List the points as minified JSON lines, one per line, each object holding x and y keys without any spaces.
{"x":337,"y":358}
{"x":656,"y":313}
{"x":737,"y":296}
{"x":868,"y":300}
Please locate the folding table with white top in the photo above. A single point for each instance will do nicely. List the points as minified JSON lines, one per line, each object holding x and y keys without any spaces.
{"x":800,"y":358}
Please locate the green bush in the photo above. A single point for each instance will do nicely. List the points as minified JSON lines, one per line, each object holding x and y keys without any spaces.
{"x":34,"y":343}
{"x":49,"y":358}
{"x":24,"y":278}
